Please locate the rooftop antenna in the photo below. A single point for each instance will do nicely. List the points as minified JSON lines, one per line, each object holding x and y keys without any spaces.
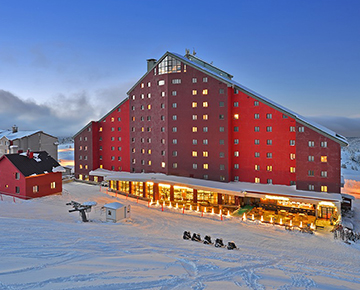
{"x":187,"y":51}
{"x":194,"y":52}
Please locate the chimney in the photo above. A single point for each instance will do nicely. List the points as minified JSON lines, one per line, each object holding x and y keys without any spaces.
{"x":14,"y":149}
{"x":15,"y":129}
{"x":150,"y":63}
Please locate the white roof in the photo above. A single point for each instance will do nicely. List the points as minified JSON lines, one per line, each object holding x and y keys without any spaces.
{"x":232,"y":188}
{"x":114,"y":205}
{"x":18,"y":135}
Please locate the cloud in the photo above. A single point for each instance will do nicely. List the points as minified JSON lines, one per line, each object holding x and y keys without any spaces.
{"x":62,"y":116}
{"x":348,"y":127}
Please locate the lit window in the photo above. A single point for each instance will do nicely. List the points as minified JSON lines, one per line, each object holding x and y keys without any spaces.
{"x":149,"y":162}
{"x":149,"y":107}
{"x":205,"y":153}
{"x":149,"y":151}
{"x":100,"y":129}
{"x":194,"y":117}
{"x":162,"y":141}
{"x":194,"y":92}
{"x":149,"y":84}
{"x":80,"y":166}
{"x":161,"y":82}
{"x":311,"y":158}
{"x":174,"y":165}
{"x":268,"y":116}
{"x":163,"y":164}
{"x":257,"y":167}
{"x":163,"y":94}
{"x":205,"y":104}
{"x":257,"y":116}
{"x":142,"y":85}
{"x":206,"y":166}
{"x":269,"y":168}
{"x":142,"y":96}
{"x":236,"y":154}
{"x":257,"y":180}
{"x":194,"y":129}
{"x":133,"y":97}
{"x":323,"y":144}
{"x":35,"y":188}
{"x":292,"y":156}
{"x":194,"y":104}
{"x":236,"y":116}
{"x":112,"y":119}
{"x":323,"y":188}
{"x":194,"y":154}
{"x":205,"y":117}
{"x":205,"y":92}
{"x":323,"y":158}
{"x":292,"y":169}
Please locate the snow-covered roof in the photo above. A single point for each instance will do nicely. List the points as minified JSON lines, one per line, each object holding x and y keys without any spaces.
{"x":233,"y":188}
{"x":17,"y":135}
{"x":226,"y":78}
{"x":114,"y":205}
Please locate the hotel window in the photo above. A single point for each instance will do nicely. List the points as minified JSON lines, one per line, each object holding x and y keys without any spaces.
{"x":163,"y":94}
{"x":133,"y":150}
{"x":221,"y":141}
{"x":256,"y":103}
{"x":323,"y":158}
{"x":174,"y":105}
{"x":292,"y":142}
{"x":149,"y":162}
{"x":236,"y":91}
{"x":119,"y":138}
{"x":292,"y":169}
{"x":169,"y":65}
{"x":222,"y":154}
{"x":17,"y":175}
{"x":269,"y":181}
{"x":194,"y":92}
{"x":142,"y":162}
{"x":132,"y":108}
{"x":257,"y":116}
{"x":174,"y":153}
{"x":236,"y":178}
{"x":112,"y":158}
{"x":285,"y":117}
{"x":301,"y":129}
{"x":112,"y":119}
{"x":176,"y":81}
{"x":292,"y":156}
{"x":149,"y":107}
{"x":311,"y":173}
{"x":222,"y":129}
{"x":236,"y":129}
{"x":142,"y":96}
{"x":80,"y":166}
{"x":148,"y":140}
{"x":222,"y":167}
{"x":133,"y":97}
{"x":236,"y":166}
{"x":161,"y":82}
{"x":194,"y":117}
{"x":221,"y":91}
{"x":142,"y":118}
{"x":206,"y":166}
{"x":323,"y":144}
{"x":205,"y":129}
{"x":143,"y":151}
{"x":257,"y":180}
{"x":236,"y":104}
{"x":236,"y":116}
{"x":257,"y":141}
{"x":53,"y":185}
{"x":163,"y":164}
{"x":35,"y":188}
{"x":119,"y":148}
{"x":292,"y":129}
{"x":142,"y":129}
{"x":149,"y":84}
{"x":194,"y":154}
{"x":269,"y":155}
{"x":205,"y":92}
{"x":257,"y":129}
{"x":205,"y":117}
{"x":100,"y":157}
{"x":162,"y":141}
{"x":205,"y":104}
{"x":257,"y":167}
{"x":163,"y":152}
{"x":221,"y":117}
{"x":257,"y":154}
{"x":174,"y":165}
{"x":268,"y":116}
{"x":194,"y":129}
{"x":80,"y":157}
{"x":194,"y":104}
{"x":269,"y":129}
{"x":100,"y":129}
{"x":174,"y":141}
{"x":236,"y":141}
{"x":269,"y":168}
{"x":100,"y":147}
{"x":17,"y":189}
{"x":174,"y":129}
{"x":269,"y":142}
{"x":311,"y":143}
{"x":174,"y":117}
{"x":311,"y":187}
{"x":205,"y":154}
{"x":221,"y":104}
{"x":194,"y":80}
{"x":142,"y":107}
{"x":173,"y":93}
{"x":119,"y":158}
{"x":311,"y":158}
{"x":142,"y":85}
{"x":323,"y":173}
{"x":119,"y":129}
{"x":162,"y":118}
{"x":194,"y":166}
{"x":205,"y":142}
{"x":149,"y":151}
{"x":323,"y":188}
{"x":194,"y":141}
{"x":205,"y":79}
{"x":236,"y":154}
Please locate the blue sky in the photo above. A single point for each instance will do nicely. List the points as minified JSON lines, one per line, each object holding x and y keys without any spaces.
{"x":72,"y":61}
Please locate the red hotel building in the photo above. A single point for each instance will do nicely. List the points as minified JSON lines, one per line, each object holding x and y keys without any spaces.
{"x":187,"y":118}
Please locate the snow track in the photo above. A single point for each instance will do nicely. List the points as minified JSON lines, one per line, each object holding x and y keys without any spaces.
{"x":45,"y":247}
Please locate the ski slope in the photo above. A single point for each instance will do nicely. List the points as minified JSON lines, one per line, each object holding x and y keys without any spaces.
{"x":43,"y":246}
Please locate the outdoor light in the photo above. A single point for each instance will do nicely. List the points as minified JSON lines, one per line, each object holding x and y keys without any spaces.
{"x":170,"y":206}
{"x":262,"y":219}
{"x":281,"y":222}
{"x":177,"y":205}
{"x":220,"y":212}
{"x":197,"y":208}
{"x":228,"y":214}
{"x":312,"y":226}
{"x":190,"y":206}
{"x":205,"y":209}
{"x":301,"y":224}
{"x":253,"y":217}
{"x":164,"y":203}
{"x":157,"y":202}
{"x":290,"y":223}
{"x":271,"y":220}
{"x":244,"y":217}
{"x":212,"y":211}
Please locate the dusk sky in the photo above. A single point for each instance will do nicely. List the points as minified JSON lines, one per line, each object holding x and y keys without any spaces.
{"x":64,"y":63}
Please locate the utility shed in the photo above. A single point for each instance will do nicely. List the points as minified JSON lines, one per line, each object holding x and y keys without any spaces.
{"x":116,"y":211}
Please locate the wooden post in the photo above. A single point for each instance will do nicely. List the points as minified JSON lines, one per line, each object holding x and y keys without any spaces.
{"x":195,"y":195}
{"x":171,"y":192}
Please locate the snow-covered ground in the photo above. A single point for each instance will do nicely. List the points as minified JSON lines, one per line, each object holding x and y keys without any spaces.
{"x":43,"y":246}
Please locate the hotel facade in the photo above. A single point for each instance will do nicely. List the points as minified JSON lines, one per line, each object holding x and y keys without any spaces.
{"x":187,"y":130}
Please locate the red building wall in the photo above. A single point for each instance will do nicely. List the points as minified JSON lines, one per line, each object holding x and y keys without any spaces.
{"x":332,"y":166}
{"x":8,"y":182}
{"x":43,"y":182}
{"x":246,"y":135}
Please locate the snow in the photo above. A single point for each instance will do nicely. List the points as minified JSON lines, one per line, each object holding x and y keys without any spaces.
{"x":43,"y":246}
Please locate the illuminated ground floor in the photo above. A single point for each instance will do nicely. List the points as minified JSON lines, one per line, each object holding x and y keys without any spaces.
{"x":283,"y":205}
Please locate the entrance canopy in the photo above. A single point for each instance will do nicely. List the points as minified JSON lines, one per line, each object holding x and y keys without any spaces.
{"x":242,"y":189}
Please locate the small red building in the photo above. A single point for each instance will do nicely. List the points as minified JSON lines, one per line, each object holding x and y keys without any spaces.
{"x":30,"y":175}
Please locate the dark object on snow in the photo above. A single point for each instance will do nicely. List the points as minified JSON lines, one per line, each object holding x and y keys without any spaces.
{"x":81,"y":208}
{"x":219,"y":243}
{"x":207,"y":240}
{"x":196,"y":237}
{"x":186,"y":235}
{"x":231,"y":246}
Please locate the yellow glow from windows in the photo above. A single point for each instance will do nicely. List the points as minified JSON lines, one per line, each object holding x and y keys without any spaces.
{"x":163,"y":164}
{"x":323,"y":158}
{"x":194,"y":129}
{"x":100,"y":129}
{"x":194,"y":154}
{"x":323,"y":188}
{"x":150,"y":183}
{"x":206,"y":166}
{"x":194,"y":92}
{"x":149,"y":151}
{"x":194,"y":104}
{"x":276,"y":197}
{"x":112,"y":119}
{"x":142,"y":129}
{"x":80,"y":166}
{"x":101,"y":166}
{"x":205,"y":117}
{"x":149,"y":107}
{"x":269,"y":168}
{"x":149,"y":163}
{"x":327,"y":203}
{"x":292,"y":156}
{"x":257,"y":167}
{"x":236,"y":116}
{"x":164,"y":185}
{"x":205,"y":92}
{"x":205,"y":153}
{"x":205,"y":104}
{"x":257,"y":180}
{"x":292,"y":169}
